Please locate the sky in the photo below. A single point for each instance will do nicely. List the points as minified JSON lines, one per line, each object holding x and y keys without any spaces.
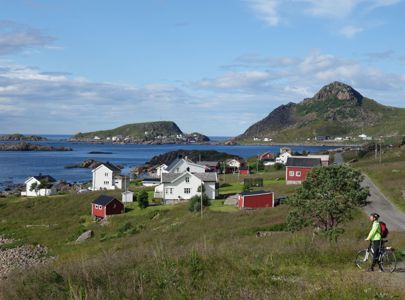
{"x":214,"y":67}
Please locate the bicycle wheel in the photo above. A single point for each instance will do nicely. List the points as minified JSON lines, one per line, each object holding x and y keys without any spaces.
{"x":363,"y":259}
{"x":389,"y":261}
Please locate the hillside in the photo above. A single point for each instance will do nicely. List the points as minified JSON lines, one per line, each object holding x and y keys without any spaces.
{"x":337,"y":110}
{"x":20,"y":137}
{"x":148,"y":132}
{"x":166,"y":250}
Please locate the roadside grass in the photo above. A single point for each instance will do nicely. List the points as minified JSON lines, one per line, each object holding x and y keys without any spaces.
{"x":166,"y":250}
{"x":389,"y":175}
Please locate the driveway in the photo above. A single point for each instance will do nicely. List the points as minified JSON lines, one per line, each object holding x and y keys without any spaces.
{"x":378,"y":203}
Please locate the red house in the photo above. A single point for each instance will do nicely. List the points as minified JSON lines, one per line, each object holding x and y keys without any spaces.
{"x":104,"y":206}
{"x":266,"y":156}
{"x":297,"y":168}
{"x":258,"y":199}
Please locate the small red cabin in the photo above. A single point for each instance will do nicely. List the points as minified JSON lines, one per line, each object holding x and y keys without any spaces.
{"x":244,"y":171}
{"x":104,"y":206}
{"x":297,"y":168}
{"x":258,"y":199}
{"x":266,"y":156}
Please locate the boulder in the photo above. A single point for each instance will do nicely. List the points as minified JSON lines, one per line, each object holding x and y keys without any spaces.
{"x":84,"y":236}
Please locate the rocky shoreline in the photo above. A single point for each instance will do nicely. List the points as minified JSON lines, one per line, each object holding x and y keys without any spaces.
{"x":23,"y":146}
{"x":20,"y":257}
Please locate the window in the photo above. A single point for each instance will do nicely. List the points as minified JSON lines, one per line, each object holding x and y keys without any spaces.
{"x":171,"y":190}
{"x":187,"y":179}
{"x":298,"y":173}
{"x":106,"y":182}
{"x":187,"y":190}
{"x":291,"y":173}
{"x":167,"y":190}
{"x":106,"y":174}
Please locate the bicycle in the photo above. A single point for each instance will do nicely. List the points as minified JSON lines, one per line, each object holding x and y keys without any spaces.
{"x":386,"y":258}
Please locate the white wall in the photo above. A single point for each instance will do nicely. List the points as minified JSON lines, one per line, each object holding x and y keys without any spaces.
{"x":36,"y":193}
{"x":103,"y":179}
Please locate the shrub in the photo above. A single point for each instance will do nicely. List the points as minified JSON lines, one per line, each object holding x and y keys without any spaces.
{"x":195,"y":203}
{"x":278,"y":166}
{"x":143,"y":199}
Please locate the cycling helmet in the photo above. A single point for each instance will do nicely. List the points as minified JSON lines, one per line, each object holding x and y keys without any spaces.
{"x":375,"y":216}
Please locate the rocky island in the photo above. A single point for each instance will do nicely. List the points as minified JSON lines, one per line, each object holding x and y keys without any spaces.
{"x":162,"y":132}
{"x":17,"y":137}
{"x":23,"y":146}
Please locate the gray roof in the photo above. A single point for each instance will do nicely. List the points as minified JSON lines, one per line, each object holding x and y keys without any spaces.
{"x":303,"y":162}
{"x":206,"y":177}
{"x":208,"y":163}
{"x":111,"y":167}
{"x":46,"y":178}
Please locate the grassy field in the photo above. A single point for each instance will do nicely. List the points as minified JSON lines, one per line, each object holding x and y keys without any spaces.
{"x":168,"y":252}
{"x":389,"y":175}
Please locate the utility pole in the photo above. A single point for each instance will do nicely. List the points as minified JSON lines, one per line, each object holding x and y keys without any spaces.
{"x":201,"y":199}
{"x":376,"y":151}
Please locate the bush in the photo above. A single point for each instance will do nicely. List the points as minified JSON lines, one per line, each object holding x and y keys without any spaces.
{"x":195,"y":203}
{"x":143,"y":199}
{"x":278,"y":166}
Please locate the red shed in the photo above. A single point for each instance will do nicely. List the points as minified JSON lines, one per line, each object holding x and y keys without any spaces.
{"x":104,"y":206}
{"x":266,"y":156}
{"x":258,"y":199}
{"x":297,"y":168}
{"x":244,"y":171}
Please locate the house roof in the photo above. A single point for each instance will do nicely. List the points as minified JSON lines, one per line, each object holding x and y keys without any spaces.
{"x":109,"y":166}
{"x":255,"y":193}
{"x":295,"y":161}
{"x":47,"y":178}
{"x":151,"y":179}
{"x":208,"y":163}
{"x":103,"y":200}
{"x":177,"y":160}
{"x":206,"y":177}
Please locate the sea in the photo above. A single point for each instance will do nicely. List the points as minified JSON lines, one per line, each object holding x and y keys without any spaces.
{"x":17,"y":166}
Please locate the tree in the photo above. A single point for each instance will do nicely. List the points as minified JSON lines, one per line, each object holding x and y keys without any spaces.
{"x":34,"y":187}
{"x":143,"y":199}
{"x":195,"y":203}
{"x":326,"y":200}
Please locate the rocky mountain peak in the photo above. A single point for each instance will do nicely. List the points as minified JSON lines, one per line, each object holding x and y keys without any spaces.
{"x":340,"y":91}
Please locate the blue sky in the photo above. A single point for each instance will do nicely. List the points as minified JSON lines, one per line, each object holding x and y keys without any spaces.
{"x":211,"y":66}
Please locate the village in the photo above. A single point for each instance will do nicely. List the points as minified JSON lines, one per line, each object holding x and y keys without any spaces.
{"x":182,"y":179}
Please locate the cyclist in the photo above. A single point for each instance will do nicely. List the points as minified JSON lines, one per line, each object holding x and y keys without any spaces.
{"x":375,"y":241}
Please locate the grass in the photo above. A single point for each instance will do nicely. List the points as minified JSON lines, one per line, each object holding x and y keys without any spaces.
{"x":166,"y":250}
{"x":389,"y":175}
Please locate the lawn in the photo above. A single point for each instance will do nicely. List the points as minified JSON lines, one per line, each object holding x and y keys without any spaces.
{"x":389,"y":175}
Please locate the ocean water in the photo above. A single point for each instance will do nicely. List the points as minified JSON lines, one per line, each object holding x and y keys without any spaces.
{"x":17,"y":166}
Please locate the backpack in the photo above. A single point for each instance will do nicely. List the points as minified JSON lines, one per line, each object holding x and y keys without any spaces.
{"x":384,"y":230}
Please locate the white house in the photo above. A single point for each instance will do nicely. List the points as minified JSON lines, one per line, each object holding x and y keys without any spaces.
{"x":33,"y":183}
{"x":107,"y":177}
{"x":233,"y":163}
{"x":282,"y":158}
{"x":177,"y":187}
{"x":184,"y":165}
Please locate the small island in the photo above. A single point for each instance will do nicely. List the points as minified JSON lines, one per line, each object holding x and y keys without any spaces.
{"x":17,"y":137}
{"x":23,"y":146}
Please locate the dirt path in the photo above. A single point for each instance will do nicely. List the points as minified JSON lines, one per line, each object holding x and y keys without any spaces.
{"x":378,"y":203}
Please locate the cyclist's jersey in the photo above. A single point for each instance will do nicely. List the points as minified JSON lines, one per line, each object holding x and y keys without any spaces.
{"x":375,"y":232}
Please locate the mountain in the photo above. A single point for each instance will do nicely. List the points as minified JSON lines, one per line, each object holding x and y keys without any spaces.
{"x":337,"y":110}
{"x":148,"y":132}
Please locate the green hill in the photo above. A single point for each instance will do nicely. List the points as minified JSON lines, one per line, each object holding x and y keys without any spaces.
{"x":168,"y":252}
{"x":337,"y":110}
{"x":147,"y":130}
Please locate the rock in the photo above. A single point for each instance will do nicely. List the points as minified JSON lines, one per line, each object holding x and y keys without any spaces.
{"x":23,"y":146}
{"x":85,"y":236}
{"x":20,"y":137}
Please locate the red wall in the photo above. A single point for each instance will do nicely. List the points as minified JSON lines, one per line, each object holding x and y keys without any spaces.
{"x":256,"y":201}
{"x":100,"y":213}
{"x":115,"y":207}
{"x":302,"y":177}
{"x":244,"y":172}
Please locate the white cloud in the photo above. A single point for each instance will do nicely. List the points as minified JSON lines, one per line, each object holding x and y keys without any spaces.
{"x":235,"y":80}
{"x":328,"y":8}
{"x":350,"y":31}
{"x":15,"y":37}
{"x":266,"y":10}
